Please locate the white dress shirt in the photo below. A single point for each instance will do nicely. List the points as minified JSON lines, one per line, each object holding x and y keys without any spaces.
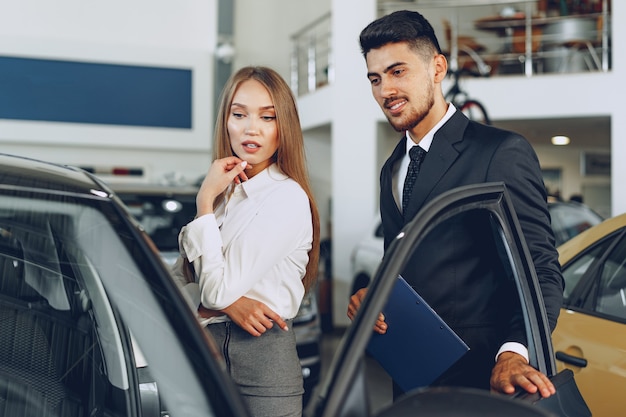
{"x":256,"y":244}
{"x":403,"y":166}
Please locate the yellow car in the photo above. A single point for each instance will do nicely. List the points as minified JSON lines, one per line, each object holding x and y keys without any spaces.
{"x":590,"y":337}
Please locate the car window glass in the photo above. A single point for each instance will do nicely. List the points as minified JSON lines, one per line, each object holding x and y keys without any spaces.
{"x":162,"y":216}
{"x":612,"y":292}
{"x":58,"y":354}
{"x":70,"y":283}
{"x":126,"y":285}
{"x":570,"y":219}
{"x":488,"y":245}
{"x":575,"y":270}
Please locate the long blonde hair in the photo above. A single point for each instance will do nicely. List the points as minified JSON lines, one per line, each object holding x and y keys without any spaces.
{"x":290,"y":156}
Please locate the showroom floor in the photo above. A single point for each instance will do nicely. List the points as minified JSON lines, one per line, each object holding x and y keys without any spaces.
{"x":379,"y":384}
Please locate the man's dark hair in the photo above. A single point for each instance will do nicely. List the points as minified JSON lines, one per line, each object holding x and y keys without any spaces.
{"x":400,"y":26}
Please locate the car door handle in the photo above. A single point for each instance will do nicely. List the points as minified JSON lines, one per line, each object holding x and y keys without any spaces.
{"x":572,"y":360}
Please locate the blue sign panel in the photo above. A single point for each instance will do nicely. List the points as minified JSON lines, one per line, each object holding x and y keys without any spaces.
{"x":81,"y":92}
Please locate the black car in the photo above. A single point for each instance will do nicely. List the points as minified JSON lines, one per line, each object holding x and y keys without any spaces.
{"x":92,"y":323}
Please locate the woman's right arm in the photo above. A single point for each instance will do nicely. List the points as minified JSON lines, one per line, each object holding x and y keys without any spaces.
{"x":251,"y":315}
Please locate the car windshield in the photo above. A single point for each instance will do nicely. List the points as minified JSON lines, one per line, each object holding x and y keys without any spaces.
{"x":570,"y":219}
{"x":73,"y":277}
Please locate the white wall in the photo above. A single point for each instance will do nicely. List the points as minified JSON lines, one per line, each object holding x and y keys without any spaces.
{"x":263,"y":30}
{"x":612,"y":93}
{"x":184,"y":24}
{"x":161,"y":33}
{"x":319,"y":158}
{"x":353,"y":143}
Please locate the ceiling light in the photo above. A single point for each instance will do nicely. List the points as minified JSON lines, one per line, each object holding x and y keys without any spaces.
{"x":172,"y":206}
{"x":225,"y":52}
{"x":560,"y":140}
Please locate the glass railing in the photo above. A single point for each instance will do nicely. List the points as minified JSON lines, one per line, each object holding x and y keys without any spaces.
{"x":506,"y":37}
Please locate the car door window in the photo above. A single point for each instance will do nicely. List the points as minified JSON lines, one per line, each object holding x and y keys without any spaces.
{"x":52,"y":360}
{"x":595,"y":281}
{"x":612,"y":290}
{"x":73,"y":285}
{"x":484,"y":214}
{"x":574,"y":271}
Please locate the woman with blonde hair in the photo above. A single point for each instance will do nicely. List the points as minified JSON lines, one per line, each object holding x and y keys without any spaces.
{"x":253,"y":247}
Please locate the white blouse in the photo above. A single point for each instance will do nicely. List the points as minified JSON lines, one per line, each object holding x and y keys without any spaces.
{"x":256,"y":245}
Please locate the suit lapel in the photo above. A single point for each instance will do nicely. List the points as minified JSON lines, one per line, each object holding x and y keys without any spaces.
{"x":387,"y":202}
{"x":439,"y":158}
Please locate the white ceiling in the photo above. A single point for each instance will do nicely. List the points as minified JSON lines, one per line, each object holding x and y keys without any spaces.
{"x":583,"y":131}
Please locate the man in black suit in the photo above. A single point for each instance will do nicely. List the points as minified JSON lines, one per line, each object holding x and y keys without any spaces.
{"x":452,"y":269}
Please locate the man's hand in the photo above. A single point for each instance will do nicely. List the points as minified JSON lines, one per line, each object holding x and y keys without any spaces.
{"x":251,"y":315}
{"x":355,"y":303}
{"x":512,"y":370}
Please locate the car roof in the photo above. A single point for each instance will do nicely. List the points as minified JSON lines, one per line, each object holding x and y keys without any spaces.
{"x":573,"y":247}
{"x":27,"y":173}
{"x":153,"y":189}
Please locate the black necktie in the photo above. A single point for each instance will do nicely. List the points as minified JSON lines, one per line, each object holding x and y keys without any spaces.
{"x":417,"y":155}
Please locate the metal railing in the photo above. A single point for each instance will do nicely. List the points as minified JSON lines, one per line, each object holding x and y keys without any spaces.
{"x":311,"y":56}
{"x":519,"y":38}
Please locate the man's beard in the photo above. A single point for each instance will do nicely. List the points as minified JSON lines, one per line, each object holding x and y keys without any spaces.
{"x":413,"y":119}
{"x":403,"y":124}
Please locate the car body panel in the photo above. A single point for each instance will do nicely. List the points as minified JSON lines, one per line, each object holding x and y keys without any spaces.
{"x":571,"y":248}
{"x":602,"y":343}
{"x":366,"y":256}
{"x":585,"y":331}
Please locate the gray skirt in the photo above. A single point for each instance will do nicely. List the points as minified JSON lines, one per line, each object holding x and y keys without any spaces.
{"x":265,"y":368}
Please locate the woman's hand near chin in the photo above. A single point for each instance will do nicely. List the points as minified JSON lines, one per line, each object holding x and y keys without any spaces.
{"x":221,"y":174}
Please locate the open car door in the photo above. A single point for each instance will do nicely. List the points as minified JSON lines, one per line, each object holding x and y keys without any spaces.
{"x":346,"y":390}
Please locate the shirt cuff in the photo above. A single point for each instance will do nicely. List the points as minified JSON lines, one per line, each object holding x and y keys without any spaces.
{"x":199,"y":236}
{"x":513,"y":347}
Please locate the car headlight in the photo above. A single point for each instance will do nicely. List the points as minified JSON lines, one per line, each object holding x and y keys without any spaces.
{"x":308,"y":308}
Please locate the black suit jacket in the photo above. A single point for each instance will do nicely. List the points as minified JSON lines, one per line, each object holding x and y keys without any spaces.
{"x":452,"y":270}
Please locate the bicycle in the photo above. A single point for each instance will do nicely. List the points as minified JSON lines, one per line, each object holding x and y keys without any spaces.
{"x":472,"y":108}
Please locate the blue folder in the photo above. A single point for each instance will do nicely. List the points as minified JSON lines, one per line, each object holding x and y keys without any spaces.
{"x":418,"y":345}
